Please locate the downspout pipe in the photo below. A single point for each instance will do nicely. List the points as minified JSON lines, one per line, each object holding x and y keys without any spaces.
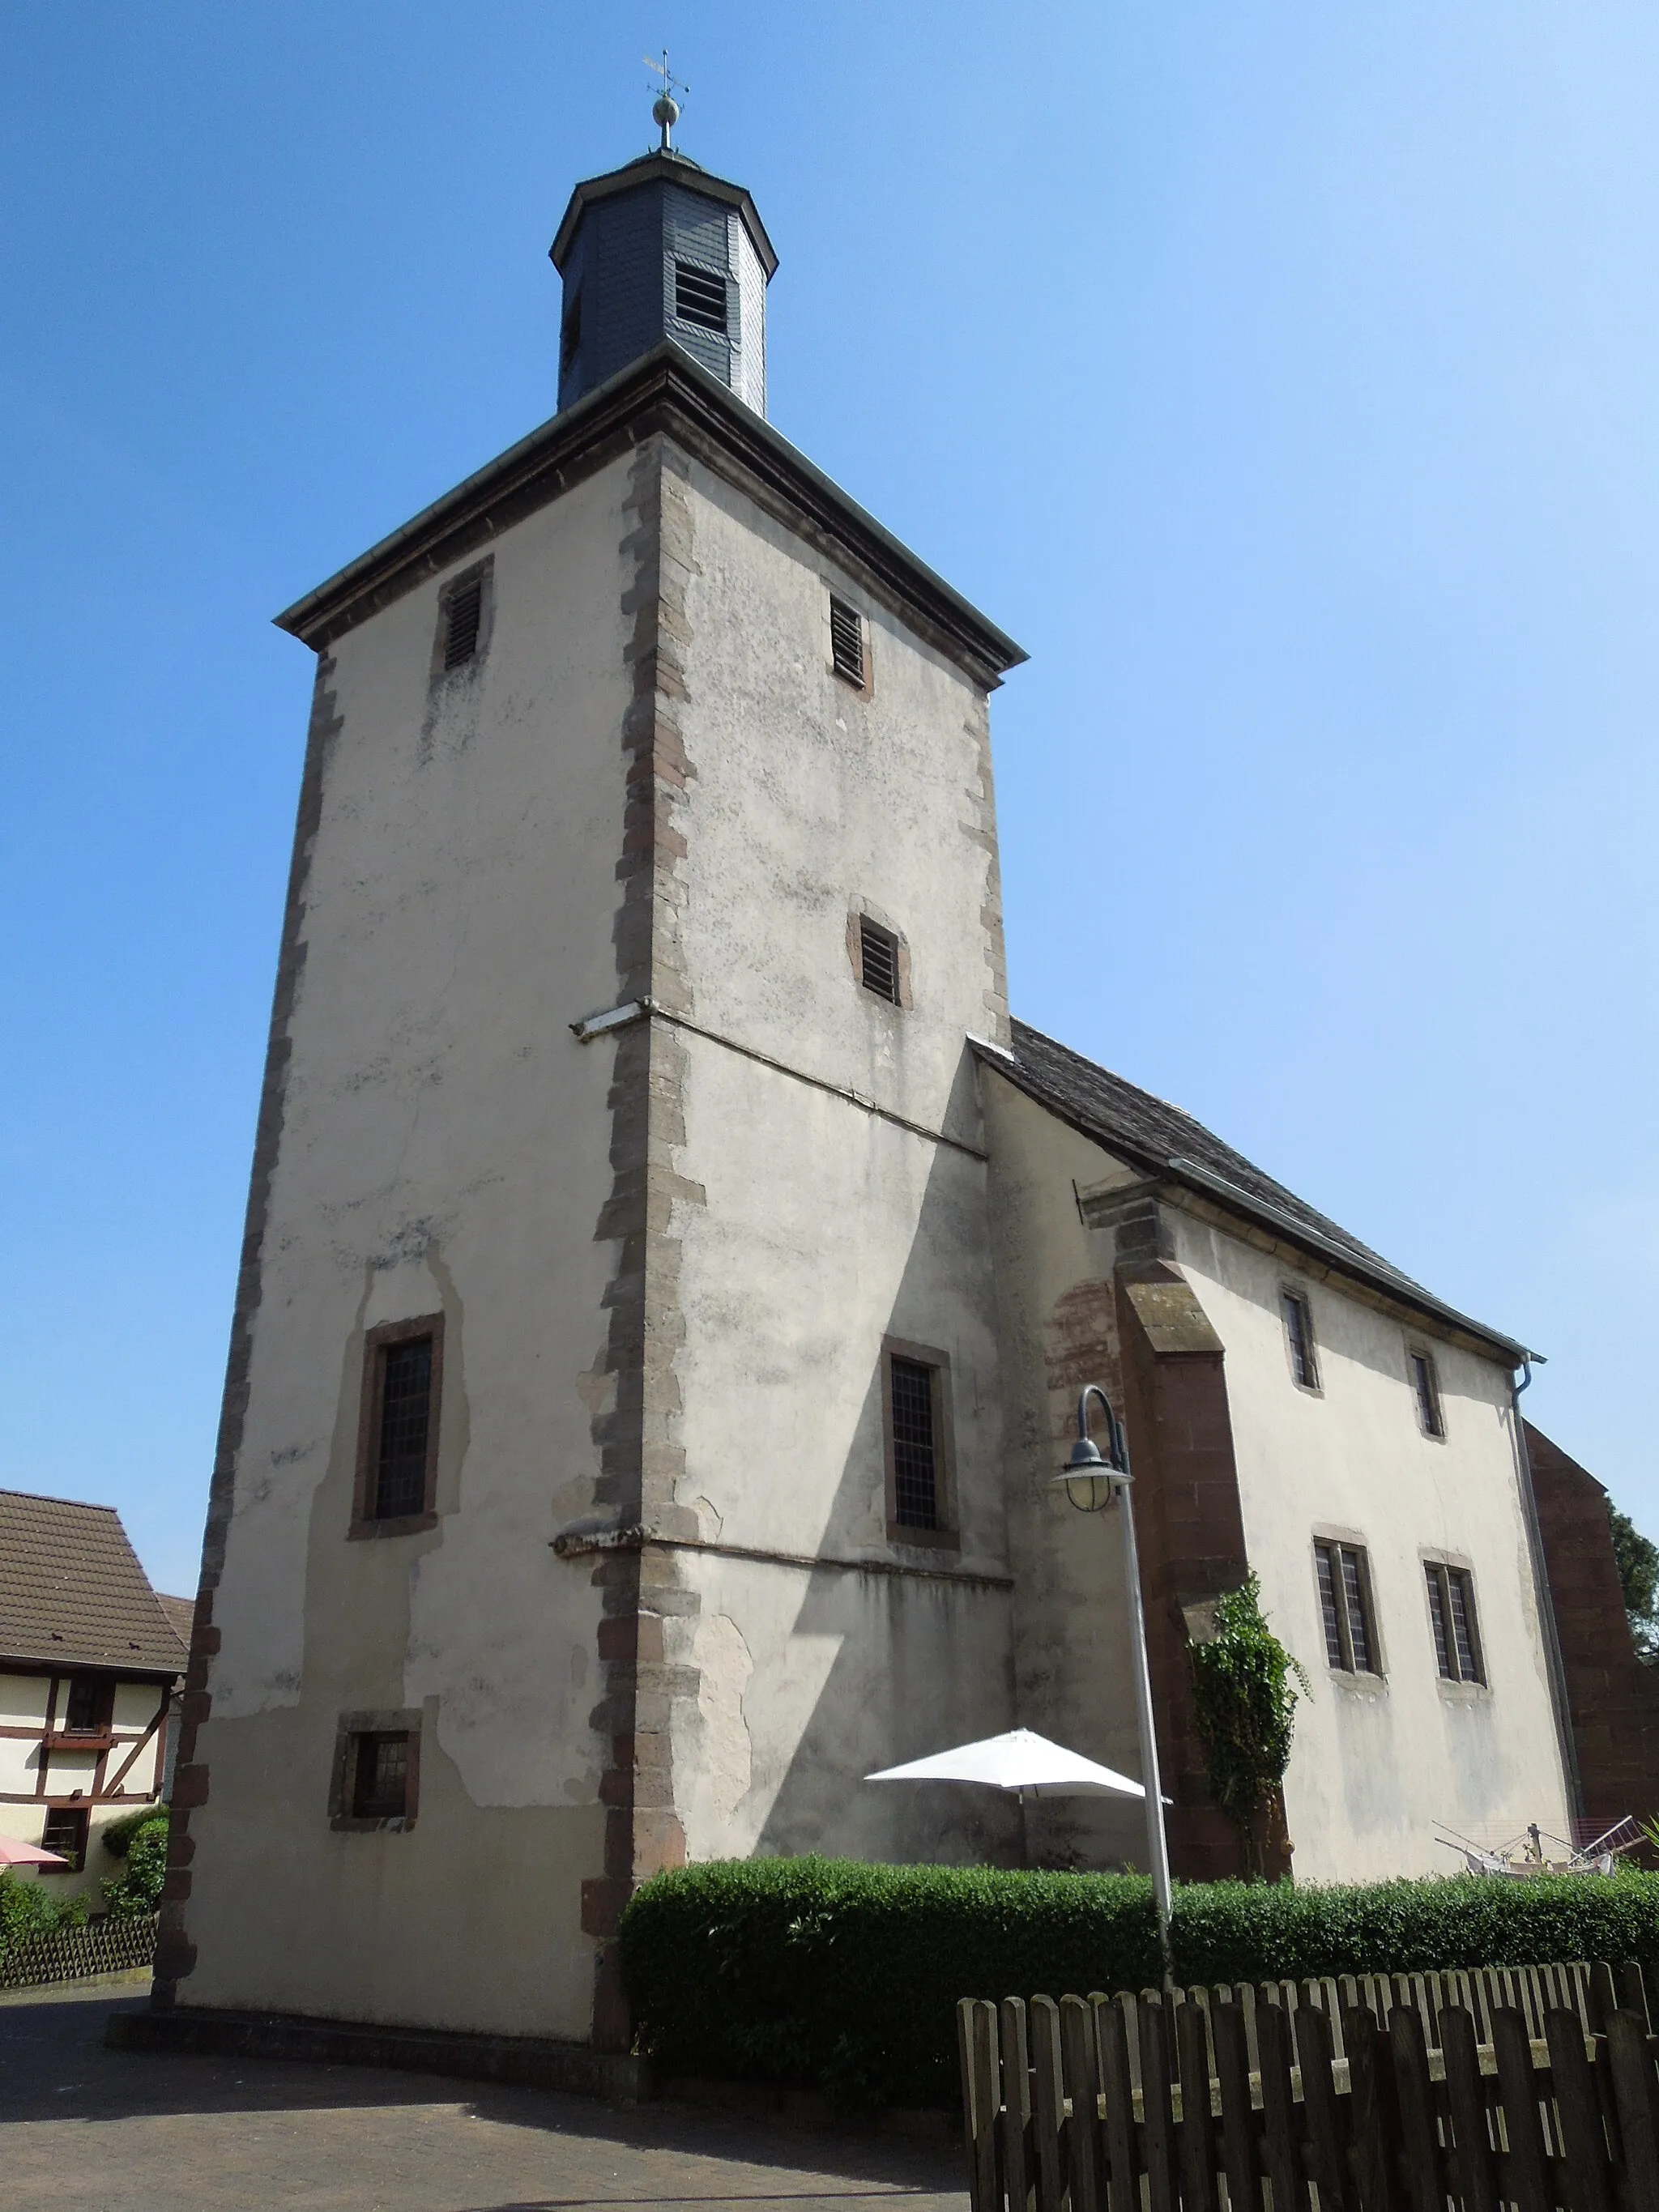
{"x":1554,"y":1664}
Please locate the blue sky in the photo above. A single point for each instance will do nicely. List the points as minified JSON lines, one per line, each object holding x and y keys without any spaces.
{"x":1282,"y":375}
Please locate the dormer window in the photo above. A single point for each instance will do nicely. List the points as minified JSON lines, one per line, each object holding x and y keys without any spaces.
{"x":700,"y":297}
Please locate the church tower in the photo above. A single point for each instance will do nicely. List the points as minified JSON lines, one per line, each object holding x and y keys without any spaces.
{"x":610,"y":1467}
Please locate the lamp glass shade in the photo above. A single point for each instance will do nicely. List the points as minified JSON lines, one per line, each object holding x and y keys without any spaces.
{"x":1089,"y":1488}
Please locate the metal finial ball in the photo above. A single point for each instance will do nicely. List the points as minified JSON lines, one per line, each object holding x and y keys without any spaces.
{"x":666,"y":113}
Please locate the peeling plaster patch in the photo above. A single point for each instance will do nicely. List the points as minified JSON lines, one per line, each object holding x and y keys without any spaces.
{"x":724,"y":1668}
{"x":710,"y":1521}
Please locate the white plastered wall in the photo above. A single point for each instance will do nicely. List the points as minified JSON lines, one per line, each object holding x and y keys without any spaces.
{"x":445,"y":1148}
{"x":1377,"y":1763}
{"x":825,"y":1229}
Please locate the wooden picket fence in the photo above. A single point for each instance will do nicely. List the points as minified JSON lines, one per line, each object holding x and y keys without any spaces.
{"x":1533,"y":2088}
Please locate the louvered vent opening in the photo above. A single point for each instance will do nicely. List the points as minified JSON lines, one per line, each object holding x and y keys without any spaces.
{"x":700,"y":296}
{"x":879,"y":969}
{"x":847,"y":642}
{"x":465,"y":613}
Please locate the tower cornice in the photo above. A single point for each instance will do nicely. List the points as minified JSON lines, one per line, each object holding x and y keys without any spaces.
{"x":665,"y":392}
{"x":658,"y":167}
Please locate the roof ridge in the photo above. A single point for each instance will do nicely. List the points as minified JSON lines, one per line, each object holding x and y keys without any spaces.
{"x":46,"y":1497}
{"x":1119,"y":1113}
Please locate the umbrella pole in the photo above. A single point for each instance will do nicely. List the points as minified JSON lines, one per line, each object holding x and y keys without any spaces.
{"x":1158,"y":1849}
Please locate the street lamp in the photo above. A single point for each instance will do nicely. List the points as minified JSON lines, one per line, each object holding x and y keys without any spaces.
{"x":1091,"y":1483}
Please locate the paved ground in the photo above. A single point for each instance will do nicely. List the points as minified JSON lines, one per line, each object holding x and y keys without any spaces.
{"x":87,"y":2130}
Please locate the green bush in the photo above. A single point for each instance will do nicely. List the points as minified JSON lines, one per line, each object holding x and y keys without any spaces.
{"x":136,"y":1891}
{"x":118,"y":1834}
{"x":1234,"y":1931}
{"x":28,"y":1908}
{"x":832,"y":1973}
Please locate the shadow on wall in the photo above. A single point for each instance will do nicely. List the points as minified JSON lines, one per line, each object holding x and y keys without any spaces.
{"x":920,"y":1663}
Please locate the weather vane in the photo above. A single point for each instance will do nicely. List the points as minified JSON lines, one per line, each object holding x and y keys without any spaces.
{"x":666,"y":111}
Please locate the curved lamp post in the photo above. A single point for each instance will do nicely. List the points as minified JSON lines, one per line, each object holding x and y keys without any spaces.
{"x":1092,"y":1483}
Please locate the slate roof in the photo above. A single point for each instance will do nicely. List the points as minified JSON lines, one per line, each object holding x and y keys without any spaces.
{"x":1170,"y":1146}
{"x":72,"y":1592}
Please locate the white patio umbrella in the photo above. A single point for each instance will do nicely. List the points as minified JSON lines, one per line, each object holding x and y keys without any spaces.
{"x":12,"y":1853}
{"x":1020,"y":1760}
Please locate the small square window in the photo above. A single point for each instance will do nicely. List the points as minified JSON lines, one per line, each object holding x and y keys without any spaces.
{"x":847,"y":642}
{"x":90,"y":1704}
{"x":1451,"y":1618}
{"x":878,"y":960}
{"x":1299,"y":1339}
{"x":379,"y":1776}
{"x":1425,"y":1390}
{"x":700,"y":296}
{"x":65,"y":1833}
{"x":1345,"y":1605}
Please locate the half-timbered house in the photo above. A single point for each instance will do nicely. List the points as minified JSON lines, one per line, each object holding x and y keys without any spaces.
{"x":90,"y":1662}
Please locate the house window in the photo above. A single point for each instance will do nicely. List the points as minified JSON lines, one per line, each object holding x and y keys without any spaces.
{"x":878,"y":960}
{"x":379,"y":1775}
{"x":1345,"y":1603}
{"x":570,"y":334}
{"x":1451,"y":1616}
{"x":700,"y":296}
{"x":846,"y":640}
{"x":1425,"y":1389}
{"x":398,"y":1443}
{"x":915,"y":1443}
{"x":463,"y":614}
{"x":65,"y":1833}
{"x":91,"y":1704}
{"x":1299,"y":1337}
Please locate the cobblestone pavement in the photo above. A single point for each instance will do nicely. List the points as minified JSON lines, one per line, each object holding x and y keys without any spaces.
{"x":102,"y":2131}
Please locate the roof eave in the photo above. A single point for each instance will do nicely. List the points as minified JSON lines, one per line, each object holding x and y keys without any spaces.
{"x":633,"y":175}
{"x":664,"y":389}
{"x":1228,"y":1198}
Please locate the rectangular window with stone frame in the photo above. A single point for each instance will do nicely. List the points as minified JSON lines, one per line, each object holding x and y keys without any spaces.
{"x":398,"y":1428}
{"x":1425,"y":1392}
{"x":916,"y":1424}
{"x":376,"y":1780}
{"x":1347,"y":1608}
{"x":1299,"y":1340}
{"x":1452,"y":1622}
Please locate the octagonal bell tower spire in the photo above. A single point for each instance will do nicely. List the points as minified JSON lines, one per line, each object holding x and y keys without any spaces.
{"x":661,"y":249}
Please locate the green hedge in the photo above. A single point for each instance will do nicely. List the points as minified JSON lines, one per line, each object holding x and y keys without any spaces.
{"x":833,"y":1973}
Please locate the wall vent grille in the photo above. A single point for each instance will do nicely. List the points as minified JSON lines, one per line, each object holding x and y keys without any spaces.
{"x":878,"y":967}
{"x":465,"y":613}
{"x":846,"y":640}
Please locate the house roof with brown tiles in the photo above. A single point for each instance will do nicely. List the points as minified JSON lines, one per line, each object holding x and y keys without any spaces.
{"x":72,"y":1593}
{"x":181,"y":1612}
{"x":1172,"y":1148}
